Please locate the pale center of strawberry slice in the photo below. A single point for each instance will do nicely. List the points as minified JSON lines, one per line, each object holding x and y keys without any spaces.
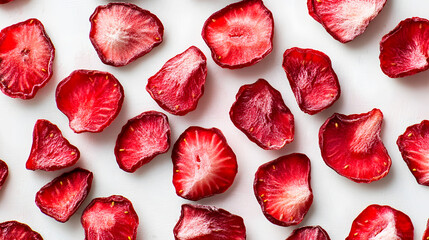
{"x":389,"y":231}
{"x":100,"y":220}
{"x":194,"y":227}
{"x":366,"y":133}
{"x":415,"y":57}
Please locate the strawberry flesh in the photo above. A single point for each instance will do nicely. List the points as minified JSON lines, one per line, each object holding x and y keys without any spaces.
{"x":260,"y":112}
{"x":203,"y":163}
{"x":5,"y":1}
{"x":309,"y":233}
{"x":4,"y":172}
{"x":352,"y":146}
{"x":426,"y":233}
{"x":282,"y":188}
{"x":179,"y":84}
{"x":13,"y":230}
{"x":240,"y":35}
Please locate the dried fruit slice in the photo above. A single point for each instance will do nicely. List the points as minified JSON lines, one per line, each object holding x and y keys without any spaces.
{"x":90,"y":99}
{"x":351,"y":145}
{"x":240,"y":35}
{"x":205,"y":222}
{"x":110,"y":218}
{"x":309,"y":233}
{"x":123,"y":32}
{"x":344,"y":19}
{"x":203,"y":163}
{"x":50,"y":150}
{"x":426,"y":233}
{"x":61,"y":197}
{"x":141,"y":139}
{"x":282,"y":188}
{"x":13,"y":230}
{"x":26,"y":58}
{"x":381,"y":222}
{"x":260,"y":113}
{"x":5,"y":1}
{"x":4,"y":171}
{"x":312,"y":79}
{"x":404,"y":50}
{"x":179,"y":84}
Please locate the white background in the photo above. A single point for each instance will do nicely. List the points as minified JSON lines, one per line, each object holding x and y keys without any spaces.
{"x":337,"y":200}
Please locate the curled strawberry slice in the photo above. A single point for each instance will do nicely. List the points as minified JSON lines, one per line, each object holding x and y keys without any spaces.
{"x":13,"y":230}
{"x":4,"y":172}
{"x":309,"y":233}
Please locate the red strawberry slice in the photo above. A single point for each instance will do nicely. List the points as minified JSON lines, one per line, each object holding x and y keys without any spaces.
{"x":179,"y":84}
{"x":13,"y":230}
{"x":383,"y":223}
{"x":123,"y":32}
{"x":426,"y":233}
{"x":345,"y":19}
{"x":62,"y":197}
{"x":26,"y":58}
{"x":260,"y":113}
{"x":199,"y":222}
{"x":50,"y":150}
{"x":351,"y":145}
{"x":240,"y":35}
{"x":309,"y":233}
{"x":141,"y":139}
{"x":90,"y":99}
{"x":312,"y":79}
{"x":4,"y":171}
{"x":110,"y":218}
{"x":5,"y":1}
{"x":282,"y":188}
{"x":203,"y":163}
{"x":404,"y":50}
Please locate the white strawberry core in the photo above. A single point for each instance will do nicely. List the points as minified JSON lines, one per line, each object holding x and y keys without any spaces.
{"x":415,"y":58}
{"x":99,"y":219}
{"x":389,"y":232}
{"x":195,"y":226}
{"x":366,"y":133}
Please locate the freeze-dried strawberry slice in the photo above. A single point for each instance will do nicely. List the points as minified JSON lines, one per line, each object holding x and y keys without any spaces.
{"x":282,"y":188}
{"x":240,"y":35}
{"x":205,"y":222}
{"x":4,"y":171}
{"x":309,"y":233}
{"x":426,"y":233}
{"x":345,"y":19}
{"x":5,"y":1}
{"x":13,"y":230}
{"x":50,"y":150}
{"x":110,"y":218}
{"x":179,"y":84}
{"x":90,"y":99}
{"x":312,"y":79}
{"x":123,"y":32}
{"x":351,"y":145}
{"x":141,"y":139}
{"x":26,"y":58}
{"x":203,"y":163}
{"x":260,"y":113}
{"x":405,"y":50}
{"x":61,"y":197}
{"x":381,"y":222}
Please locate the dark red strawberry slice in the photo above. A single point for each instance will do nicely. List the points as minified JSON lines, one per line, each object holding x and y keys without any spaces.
{"x":312,"y":79}
{"x":203,"y":163}
{"x":26,"y":58}
{"x":309,"y":233}
{"x":404,"y":50}
{"x":199,"y":222}
{"x":351,"y":145}
{"x":260,"y":113}
{"x":381,"y":222}
{"x":4,"y":171}
{"x":282,"y":188}
{"x":50,"y":150}
{"x":179,"y":84}
{"x":426,"y":233}
{"x":345,"y":19}
{"x":62,"y":197}
{"x":5,"y":1}
{"x":90,"y":99}
{"x":123,"y":32}
{"x":13,"y":230}
{"x":240,"y":35}
{"x":110,"y":218}
{"x":141,"y":139}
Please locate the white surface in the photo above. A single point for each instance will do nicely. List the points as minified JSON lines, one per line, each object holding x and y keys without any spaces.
{"x":337,"y":200}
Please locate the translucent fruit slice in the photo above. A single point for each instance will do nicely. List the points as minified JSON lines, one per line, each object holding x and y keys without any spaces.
{"x":309,"y":233}
{"x":4,"y":172}
{"x":13,"y":230}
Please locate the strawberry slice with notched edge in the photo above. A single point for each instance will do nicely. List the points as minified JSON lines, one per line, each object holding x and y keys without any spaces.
{"x":312,"y":79}
{"x":61,"y":197}
{"x":179,"y":84}
{"x":345,"y":19}
{"x":282,"y":188}
{"x":13,"y":230}
{"x":50,"y":150}
{"x":240,"y":35}
{"x":205,"y":222}
{"x":110,"y":218}
{"x":381,"y":222}
{"x":26,"y":59}
{"x":260,"y":112}
{"x":4,"y":172}
{"x":141,"y":139}
{"x":123,"y":32}
{"x":404,"y":50}
{"x":309,"y":233}
{"x":90,"y":99}
{"x":203,"y":163}
{"x":352,"y":146}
